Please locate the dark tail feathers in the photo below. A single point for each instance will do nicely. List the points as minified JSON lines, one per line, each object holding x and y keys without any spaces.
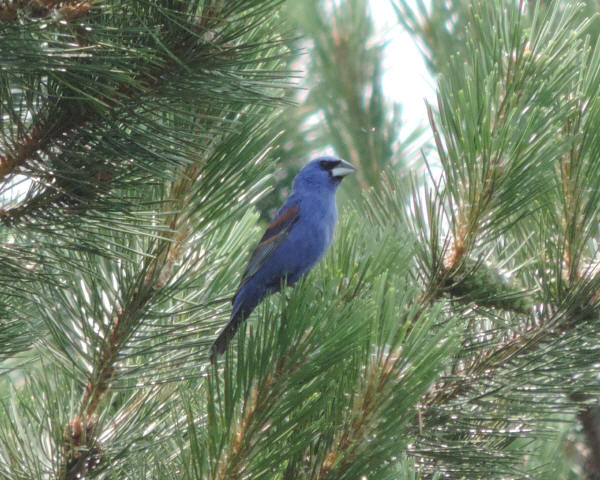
{"x":245,"y":300}
{"x":220,"y":344}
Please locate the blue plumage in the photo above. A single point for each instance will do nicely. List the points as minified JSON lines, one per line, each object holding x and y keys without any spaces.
{"x":294,"y":242}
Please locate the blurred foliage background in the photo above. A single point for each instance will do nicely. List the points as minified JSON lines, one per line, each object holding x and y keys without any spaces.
{"x":340,"y":105}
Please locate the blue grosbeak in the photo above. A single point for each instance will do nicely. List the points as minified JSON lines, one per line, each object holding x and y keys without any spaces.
{"x":299,"y":235}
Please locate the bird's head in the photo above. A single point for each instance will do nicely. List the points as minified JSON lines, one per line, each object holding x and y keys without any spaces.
{"x":324,"y":172}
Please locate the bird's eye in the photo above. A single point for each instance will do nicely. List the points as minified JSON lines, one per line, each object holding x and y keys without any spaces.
{"x":327,"y":164}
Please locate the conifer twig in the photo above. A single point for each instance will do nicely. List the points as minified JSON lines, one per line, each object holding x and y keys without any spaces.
{"x":365,"y":407}
{"x":64,"y":9}
{"x":48,"y":131}
{"x":84,"y":454}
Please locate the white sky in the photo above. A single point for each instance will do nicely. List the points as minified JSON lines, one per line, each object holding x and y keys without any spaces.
{"x":406,"y":79}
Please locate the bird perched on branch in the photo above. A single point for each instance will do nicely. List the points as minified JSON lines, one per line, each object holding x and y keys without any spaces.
{"x":297,"y":238}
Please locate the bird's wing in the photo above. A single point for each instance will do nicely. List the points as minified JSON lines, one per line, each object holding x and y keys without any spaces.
{"x":275,"y":234}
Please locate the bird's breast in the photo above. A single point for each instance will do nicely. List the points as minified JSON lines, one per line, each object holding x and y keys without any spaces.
{"x":315,"y":235}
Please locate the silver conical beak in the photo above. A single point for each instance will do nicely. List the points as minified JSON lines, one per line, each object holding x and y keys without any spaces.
{"x":342,"y":169}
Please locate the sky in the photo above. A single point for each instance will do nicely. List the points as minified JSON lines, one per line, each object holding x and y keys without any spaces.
{"x":406,"y":79}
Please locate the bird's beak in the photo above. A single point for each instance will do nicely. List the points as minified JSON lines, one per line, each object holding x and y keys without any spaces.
{"x":342,"y":169}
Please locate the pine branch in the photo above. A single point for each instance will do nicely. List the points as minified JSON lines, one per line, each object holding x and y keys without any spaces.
{"x":48,"y":132}
{"x":477,"y":159}
{"x":82,"y":451}
{"x":120,"y":98}
{"x":345,"y":449}
{"x":481,"y":190}
{"x":244,"y":435}
{"x":65,"y":10}
{"x":43,"y":133}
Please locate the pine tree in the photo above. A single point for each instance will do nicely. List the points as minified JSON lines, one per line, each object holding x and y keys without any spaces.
{"x":450,"y":330}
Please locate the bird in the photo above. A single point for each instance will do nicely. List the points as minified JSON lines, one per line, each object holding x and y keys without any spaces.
{"x":297,"y":238}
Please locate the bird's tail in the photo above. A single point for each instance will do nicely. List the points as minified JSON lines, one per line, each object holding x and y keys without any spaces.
{"x":220,"y":344}
{"x":238,"y":315}
{"x":243,"y":303}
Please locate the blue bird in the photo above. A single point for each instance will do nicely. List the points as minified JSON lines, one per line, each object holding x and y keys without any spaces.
{"x":295,"y":241}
